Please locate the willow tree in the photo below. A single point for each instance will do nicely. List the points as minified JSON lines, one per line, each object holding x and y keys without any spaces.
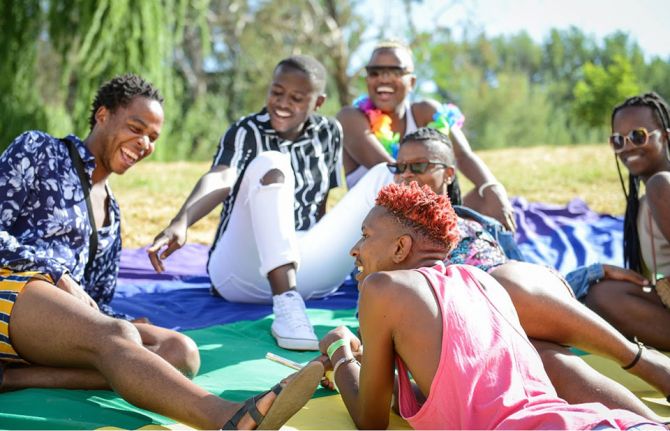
{"x":19,"y":98}
{"x":62,"y":50}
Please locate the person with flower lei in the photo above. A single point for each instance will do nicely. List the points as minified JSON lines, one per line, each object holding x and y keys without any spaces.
{"x":376,"y":122}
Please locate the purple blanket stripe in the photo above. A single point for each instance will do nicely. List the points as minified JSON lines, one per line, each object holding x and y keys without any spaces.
{"x":562,"y":237}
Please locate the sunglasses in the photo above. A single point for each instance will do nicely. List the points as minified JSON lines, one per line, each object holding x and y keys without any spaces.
{"x":414,"y":167}
{"x":394,"y":71}
{"x":637,"y":137}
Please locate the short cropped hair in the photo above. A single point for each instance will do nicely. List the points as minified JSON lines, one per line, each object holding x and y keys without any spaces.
{"x":423,"y":211}
{"x":396,"y":44}
{"x":120,"y":91}
{"x":310,"y":66}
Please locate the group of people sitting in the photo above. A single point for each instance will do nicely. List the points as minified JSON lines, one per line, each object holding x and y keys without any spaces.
{"x":444,"y":294}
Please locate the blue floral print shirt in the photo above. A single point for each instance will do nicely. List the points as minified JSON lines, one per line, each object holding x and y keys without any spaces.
{"x":44,"y":222}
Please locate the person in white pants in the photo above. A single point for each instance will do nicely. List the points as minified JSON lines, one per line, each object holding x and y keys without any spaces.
{"x":273,"y":171}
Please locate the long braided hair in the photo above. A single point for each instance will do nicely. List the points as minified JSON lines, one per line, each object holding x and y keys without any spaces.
{"x":631,"y":244}
{"x":430,"y":134}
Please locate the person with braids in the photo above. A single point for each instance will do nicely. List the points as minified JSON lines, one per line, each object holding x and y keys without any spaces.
{"x":375,"y":123}
{"x":59,"y":221}
{"x":452,"y":327}
{"x":548,"y":311}
{"x":638,"y":304}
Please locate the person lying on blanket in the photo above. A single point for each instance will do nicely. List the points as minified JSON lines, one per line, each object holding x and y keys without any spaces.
{"x":273,"y":171}
{"x":375,"y":122}
{"x":59,"y":217}
{"x":47,"y":327}
{"x":453,"y":327}
{"x":549,"y":314}
{"x":636,"y":300}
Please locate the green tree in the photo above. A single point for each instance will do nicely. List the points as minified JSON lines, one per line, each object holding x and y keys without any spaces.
{"x":602,"y":88}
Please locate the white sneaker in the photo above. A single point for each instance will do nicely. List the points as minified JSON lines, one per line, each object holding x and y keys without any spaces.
{"x":291,"y":326}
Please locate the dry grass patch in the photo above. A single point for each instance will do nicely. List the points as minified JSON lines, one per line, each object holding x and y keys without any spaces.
{"x":151,"y":193}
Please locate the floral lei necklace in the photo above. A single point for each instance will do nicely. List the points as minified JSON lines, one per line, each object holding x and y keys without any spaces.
{"x":445,"y":117}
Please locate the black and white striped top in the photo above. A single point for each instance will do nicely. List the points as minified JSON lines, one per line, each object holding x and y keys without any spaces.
{"x":316,"y":158}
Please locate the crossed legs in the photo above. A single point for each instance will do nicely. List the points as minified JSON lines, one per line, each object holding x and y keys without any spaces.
{"x":49,"y":328}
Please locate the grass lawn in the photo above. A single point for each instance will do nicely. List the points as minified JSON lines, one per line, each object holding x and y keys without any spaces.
{"x":151,"y":193}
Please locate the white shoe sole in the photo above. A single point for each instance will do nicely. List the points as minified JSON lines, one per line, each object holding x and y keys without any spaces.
{"x":295,"y":343}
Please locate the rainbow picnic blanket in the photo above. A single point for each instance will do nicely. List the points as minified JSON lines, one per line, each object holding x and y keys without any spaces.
{"x":234,"y":338}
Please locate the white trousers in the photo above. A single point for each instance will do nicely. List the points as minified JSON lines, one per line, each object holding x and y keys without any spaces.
{"x":261,"y":235}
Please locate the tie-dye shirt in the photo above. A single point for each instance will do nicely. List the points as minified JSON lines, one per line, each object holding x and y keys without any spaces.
{"x":44,"y":223}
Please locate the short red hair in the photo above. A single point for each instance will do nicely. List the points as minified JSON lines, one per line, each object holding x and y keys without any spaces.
{"x":423,"y":210}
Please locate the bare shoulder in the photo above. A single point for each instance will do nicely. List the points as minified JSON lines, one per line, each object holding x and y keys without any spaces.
{"x":350,"y":114}
{"x":390,"y":284}
{"x":660,"y":181}
{"x":424,"y":110}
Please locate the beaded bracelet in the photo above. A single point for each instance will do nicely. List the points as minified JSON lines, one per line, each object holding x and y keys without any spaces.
{"x":343,"y":361}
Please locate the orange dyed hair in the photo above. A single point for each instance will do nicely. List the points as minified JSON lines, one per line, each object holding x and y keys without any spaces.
{"x":423,"y":210}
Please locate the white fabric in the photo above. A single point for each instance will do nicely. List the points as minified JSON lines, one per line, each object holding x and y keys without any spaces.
{"x":647,"y":229}
{"x":410,"y":123}
{"x":261,"y":236}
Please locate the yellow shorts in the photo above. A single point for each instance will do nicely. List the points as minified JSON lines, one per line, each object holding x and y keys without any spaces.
{"x":11,"y":283}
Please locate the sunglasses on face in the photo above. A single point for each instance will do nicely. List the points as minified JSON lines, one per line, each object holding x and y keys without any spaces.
{"x":393,"y":71}
{"x":638,"y":137}
{"x":414,"y":167}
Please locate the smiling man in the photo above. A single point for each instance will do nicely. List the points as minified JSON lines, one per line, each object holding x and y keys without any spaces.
{"x":272,"y":172}
{"x":59,"y":218}
{"x":452,"y":328}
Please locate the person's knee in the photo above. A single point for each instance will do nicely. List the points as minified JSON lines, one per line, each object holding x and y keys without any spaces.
{"x":273,"y":176}
{"x":113,"y":335}
{"x":182,"y":352}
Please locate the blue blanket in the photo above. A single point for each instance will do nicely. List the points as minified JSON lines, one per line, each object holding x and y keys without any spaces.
{"x":562,"y":237}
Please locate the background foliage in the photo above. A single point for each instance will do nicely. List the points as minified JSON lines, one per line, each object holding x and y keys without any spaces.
{"x":212,"y":59}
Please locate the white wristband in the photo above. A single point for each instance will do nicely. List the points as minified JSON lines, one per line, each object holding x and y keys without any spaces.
{"x":486,"y":185}
{"x":343,"y":361}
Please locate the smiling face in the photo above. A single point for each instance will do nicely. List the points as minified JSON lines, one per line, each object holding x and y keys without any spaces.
{"x":436,"y":177}
{"x":127,"y":135}
{"x":390,"y":79}
{"x":291,"y":99}
{"x":643,"y":160}
{"x":374,"y":250}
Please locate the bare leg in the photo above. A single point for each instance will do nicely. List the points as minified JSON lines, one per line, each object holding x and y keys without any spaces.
{"x":576,"y":382}
{"x":632,"y":311}
{"x":178,"y":349}
{"x":49,"y":327}
{"x":548,"y":312}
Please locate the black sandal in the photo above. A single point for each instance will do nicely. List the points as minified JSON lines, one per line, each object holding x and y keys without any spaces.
{"x":290,"y":399}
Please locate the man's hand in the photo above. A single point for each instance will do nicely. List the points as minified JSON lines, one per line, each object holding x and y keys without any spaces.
{"x":173,"y":237}
{"x":621,"y":274}
{"x":67,"y":284}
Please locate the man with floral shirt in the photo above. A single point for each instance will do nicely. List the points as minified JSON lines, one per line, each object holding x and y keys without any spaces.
{"x":59,"y":219}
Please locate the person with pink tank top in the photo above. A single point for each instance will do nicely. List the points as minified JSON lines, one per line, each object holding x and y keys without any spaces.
{"x":452,"y":328}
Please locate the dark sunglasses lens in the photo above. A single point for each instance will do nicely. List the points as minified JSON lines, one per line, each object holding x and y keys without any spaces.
{"x":617,"y":141}
{"x":396,"y":168}
{"x":638,"y":136}
{"x":418,"y":167}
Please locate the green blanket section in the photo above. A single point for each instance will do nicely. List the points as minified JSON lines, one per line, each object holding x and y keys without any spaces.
{"x":233,"y":367}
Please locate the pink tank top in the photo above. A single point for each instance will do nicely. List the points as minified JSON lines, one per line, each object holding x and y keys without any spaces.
{"x":490,"y":376}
